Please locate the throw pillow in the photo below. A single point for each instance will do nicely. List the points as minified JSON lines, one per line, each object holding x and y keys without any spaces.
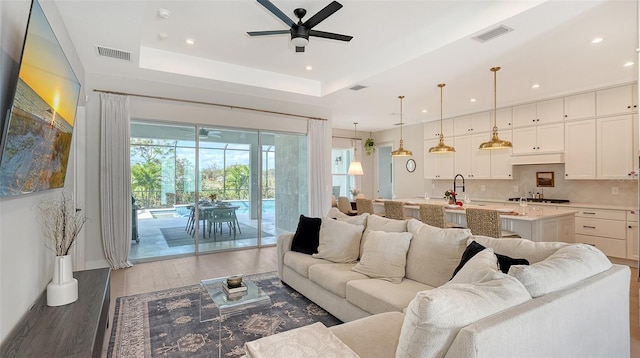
{"x":385,"y":255}
{"x":481,"y":264}
{"x":568,"y":265}
{"x":504,"y":262}
{"x":434,"y":252}
{"x":339,"y":241}
{"x":356,"y":220}
{"x":307,"y":236}
{"x":379,"y":223}
{"x":532,"y":251}
{"x":434,"y":317}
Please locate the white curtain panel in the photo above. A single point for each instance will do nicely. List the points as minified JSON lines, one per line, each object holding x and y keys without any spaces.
{"x":319,"y":199}
{"x":115,"y":179}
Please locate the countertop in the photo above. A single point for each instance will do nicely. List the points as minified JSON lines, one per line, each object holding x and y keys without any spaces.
{"x":570,"y":205}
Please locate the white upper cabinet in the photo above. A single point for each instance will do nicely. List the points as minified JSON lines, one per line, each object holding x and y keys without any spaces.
{"x":580,"y":149}
{"x":469,"y":160}
{"x":432,"y":129}
{"x":505,"y":118}
{"x":580,"y":106}
{"x":540,"y":139}
{"x":538,"y":113}
{"x":617,"y":100}
{"x":474,"y":123}
{"x":501,"y":167}
{"x":614,"y":145}
{"x":437,"y":166}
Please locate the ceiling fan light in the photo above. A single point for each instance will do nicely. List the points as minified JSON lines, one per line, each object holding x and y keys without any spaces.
{"x":299,"y":41}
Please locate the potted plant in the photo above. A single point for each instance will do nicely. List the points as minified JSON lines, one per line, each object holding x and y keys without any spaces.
{"x":369,"y":146}
{"x":61,"y":224}
{"x":451,"y":195}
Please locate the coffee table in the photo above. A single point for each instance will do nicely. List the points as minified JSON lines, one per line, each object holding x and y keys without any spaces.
{"x":229,"y":305}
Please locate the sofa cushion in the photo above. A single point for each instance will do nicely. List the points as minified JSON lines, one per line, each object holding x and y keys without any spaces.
{"x":300,"y":262}
{"x":355,"y":220}
{"x":513,"y":247}
{"x":434,"y":252}
{"x":379,"y":223}
{"x":384,"y":255}
{"x":334,"y":277}
{"x":434,"y":317}
{"x":477,"y":267}
{"x":339,"y":241}
{"x":377,"y":296}
{"x":568,"y":265}
{"x":307,"y":235}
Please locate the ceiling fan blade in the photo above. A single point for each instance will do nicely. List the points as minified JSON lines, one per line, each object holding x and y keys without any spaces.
{"x":274,"y":32}
{"x":299,"y":49}
{"x":322,"y":14}
{"x":330,"y":35}
{"x":269,"y":6}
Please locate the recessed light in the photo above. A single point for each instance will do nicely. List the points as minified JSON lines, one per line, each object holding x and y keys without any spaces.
{"x":472,"y":100}
{"x":189,"y":41}
{"x":164,"y":13}
{"x":597,"y":40}
{"x":535,"y":85}
{"x":308,"y":68}
{"x":628,"y":64}
{"x":162,"y":36}
{"x":424,"y":111}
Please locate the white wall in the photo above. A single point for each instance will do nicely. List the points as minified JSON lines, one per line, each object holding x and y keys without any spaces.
{"x":25,"y":262}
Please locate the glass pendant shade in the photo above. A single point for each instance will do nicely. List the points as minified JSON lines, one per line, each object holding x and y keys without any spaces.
{"x":355,"y":168}
{"x":495,"y":142}
{"x":401,"y":152}
{"x":441,"y":147}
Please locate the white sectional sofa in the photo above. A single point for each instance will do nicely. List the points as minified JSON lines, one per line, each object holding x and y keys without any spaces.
{"x":570,"y":301}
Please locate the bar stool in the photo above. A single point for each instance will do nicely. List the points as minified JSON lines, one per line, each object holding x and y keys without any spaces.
{"x":486,"y":222}
{"x":364,"y":205}
{"x":394,"y":210}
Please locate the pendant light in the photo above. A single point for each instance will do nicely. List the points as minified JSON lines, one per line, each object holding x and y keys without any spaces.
{"x":441,"y":147}
{"x":401,"y":152}
{"x":355,"y":168}
{"x":495,"y":142}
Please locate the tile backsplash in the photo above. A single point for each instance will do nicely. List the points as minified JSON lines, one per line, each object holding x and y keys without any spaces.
{"x":577,"y":191}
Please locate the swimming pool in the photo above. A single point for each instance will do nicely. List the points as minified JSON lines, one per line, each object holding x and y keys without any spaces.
{"x":268,"y":207}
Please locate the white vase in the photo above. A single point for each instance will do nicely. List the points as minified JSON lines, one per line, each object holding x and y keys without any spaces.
{"x":63,"y":288}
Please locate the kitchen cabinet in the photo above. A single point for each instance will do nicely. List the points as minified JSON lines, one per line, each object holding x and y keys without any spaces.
{"x":540,"y":139}
{"x":580,"y":106}
{"x":603,"y":228}
{"x":432,"y":129}
{"x":544,"y":112}
{"x":501,"y":167}
{"x":504,"y":119}
{"x":632,"y":234}
{"x":437,"y":166}
{"x":580,"y":149}
{"x":474,"y":123}
{"x":615,"y":148}
{"x":617,"y":100}
{"x":470,"y":161}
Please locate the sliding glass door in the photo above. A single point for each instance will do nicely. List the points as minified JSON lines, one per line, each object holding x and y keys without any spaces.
{"x":250,"y":186}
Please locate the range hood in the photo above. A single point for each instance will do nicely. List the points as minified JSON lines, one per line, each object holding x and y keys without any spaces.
{"x":547,"y":158}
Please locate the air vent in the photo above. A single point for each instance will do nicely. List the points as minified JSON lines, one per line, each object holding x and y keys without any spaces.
{"x":492,"y":34}
{"x":357,"y":87}
{"x":113,"y":53}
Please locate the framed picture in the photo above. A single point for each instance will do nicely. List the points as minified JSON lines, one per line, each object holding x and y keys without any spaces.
{"x":544,"y":179}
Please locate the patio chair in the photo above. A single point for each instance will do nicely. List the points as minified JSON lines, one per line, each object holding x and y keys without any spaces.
{"x":219,"y":216}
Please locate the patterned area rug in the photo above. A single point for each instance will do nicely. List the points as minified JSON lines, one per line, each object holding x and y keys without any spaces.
{"x":177,"y":236}
{"x":167,"y":323}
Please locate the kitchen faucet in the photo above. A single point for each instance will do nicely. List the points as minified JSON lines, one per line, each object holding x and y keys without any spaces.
{"x":454,"y":182}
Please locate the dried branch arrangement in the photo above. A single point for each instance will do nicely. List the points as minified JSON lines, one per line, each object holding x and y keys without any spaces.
{"x":61,"y":224}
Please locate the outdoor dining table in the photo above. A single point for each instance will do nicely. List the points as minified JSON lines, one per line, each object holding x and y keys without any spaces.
{"x":209,"y":213}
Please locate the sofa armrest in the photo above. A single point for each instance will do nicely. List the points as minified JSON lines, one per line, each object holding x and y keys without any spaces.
{"x":372,"y":337}
{"x":284,"y":245}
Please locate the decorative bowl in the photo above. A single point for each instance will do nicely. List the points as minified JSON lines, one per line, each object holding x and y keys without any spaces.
{"x":234,"y":281}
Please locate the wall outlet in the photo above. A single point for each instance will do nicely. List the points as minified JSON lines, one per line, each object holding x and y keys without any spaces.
{"x":516,"y":189}
{"x":433,"y":186}
{"x":614,"y":190}
{"x":483,"y":188}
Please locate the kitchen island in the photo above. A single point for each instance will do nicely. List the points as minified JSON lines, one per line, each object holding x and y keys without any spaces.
{"x":539,"y":223}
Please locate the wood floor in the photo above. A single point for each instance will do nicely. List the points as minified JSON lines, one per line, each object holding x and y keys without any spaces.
{"x":161,"y":275}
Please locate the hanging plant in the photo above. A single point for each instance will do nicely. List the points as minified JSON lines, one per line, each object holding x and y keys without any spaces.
{"x":369,"y":146}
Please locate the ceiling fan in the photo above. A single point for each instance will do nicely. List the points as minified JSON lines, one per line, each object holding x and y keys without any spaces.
{"x":301,"y":31}
{"x":206,"y":133}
